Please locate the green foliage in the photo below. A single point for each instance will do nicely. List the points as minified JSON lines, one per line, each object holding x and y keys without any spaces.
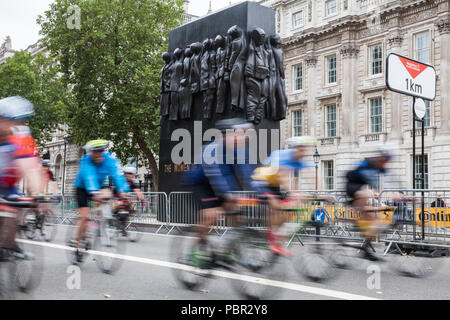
{"x":35,"y":78}
{"x":112,"y":64}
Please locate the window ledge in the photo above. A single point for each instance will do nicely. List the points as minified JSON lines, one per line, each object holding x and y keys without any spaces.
{"x":429,"y":131}
{"x":373,"y":137}
{"x":330,"y":141}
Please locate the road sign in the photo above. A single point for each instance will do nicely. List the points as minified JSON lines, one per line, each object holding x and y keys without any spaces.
{"x":420,"y":109}
{"x":410,"y":77}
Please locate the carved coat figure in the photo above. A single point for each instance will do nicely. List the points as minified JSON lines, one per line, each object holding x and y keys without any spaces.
{"x":221,"y":63}
{"x":186,"y":95}
{"x":175,"y":84}
{"x":257,"y":77}
{"x":207,"y":78}
{"x":165,"y":84}
{"x":236,"y":65}
{"x":279,"y":90}
{"x":195,"y":67}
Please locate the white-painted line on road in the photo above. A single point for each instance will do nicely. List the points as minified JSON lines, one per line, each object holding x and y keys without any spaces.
{"x":223,"y":274}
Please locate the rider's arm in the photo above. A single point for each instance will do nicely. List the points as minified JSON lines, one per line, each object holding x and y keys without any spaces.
{"x":118,"y":178}
{"x":88,"y":175}
{"x":31,"y":171}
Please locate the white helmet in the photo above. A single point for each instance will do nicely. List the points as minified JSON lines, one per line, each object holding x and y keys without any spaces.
{"x":16,"y":108}
{"x":301,"y":141}
{"x":388,"y":150}
{"x":130,"y":170}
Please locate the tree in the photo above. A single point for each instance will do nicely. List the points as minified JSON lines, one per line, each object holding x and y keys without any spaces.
{"x":35,"y":78}
{"x":112,"y":63}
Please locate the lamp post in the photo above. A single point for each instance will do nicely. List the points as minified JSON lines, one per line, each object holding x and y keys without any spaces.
{"x":316,"y":161}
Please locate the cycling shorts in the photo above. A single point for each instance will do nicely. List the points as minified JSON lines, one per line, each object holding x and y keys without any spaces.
{"x":206,"y":198}
{"x":83,"y":198}
{"x":352,"y":188}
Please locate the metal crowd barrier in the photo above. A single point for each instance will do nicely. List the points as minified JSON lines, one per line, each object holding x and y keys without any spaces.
{"x":411,"y":230}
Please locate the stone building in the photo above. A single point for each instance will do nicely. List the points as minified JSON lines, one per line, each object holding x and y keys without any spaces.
{"x":335,"y":53}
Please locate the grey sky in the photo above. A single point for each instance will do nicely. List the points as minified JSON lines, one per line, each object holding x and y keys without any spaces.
{"x":18,"y":18}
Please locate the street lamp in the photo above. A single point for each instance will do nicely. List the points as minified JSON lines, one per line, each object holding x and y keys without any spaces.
{"x":316,"y":161}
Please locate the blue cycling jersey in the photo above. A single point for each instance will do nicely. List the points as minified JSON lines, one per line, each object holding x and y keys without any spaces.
{"x":285,"y":158}
{"x":365,"y":174}
{"x":92,"y":176}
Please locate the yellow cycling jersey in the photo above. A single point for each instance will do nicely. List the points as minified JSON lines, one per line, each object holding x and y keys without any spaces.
{"x":270,"y":174}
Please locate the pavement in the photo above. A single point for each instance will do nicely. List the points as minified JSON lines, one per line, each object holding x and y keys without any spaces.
{"x":147,"y":273}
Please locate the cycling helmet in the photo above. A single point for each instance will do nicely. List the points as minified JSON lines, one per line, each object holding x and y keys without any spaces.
{"x":388,"y":151}
{"x":300,"y":141}
{"x":231,"y":124}
{"x":96,"y":145}
{"x":46,"y":163}
{"x":131,"y":170}
{"x":16,"y":108}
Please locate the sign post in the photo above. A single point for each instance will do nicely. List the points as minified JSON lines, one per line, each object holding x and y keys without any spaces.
{"x":416,"y":79}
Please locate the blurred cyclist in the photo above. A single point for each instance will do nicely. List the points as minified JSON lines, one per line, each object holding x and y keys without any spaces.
{"x":366,"y":174}
{"x":213,"y":182}
{"x":50,"y":184}
{"x":130,"y":175}
{"x":94,"y":169}
{"x":19,"y":160}
{"x":274,"y":179}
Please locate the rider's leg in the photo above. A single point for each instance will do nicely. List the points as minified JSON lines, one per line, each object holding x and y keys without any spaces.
{"x":82,"y":224}
{"x":209,"y":217}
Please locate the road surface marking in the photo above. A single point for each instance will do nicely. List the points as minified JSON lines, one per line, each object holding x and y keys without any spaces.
{"x":223,"y":274}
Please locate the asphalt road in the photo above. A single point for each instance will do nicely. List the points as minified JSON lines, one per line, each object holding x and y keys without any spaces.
{"x":147,"y":273}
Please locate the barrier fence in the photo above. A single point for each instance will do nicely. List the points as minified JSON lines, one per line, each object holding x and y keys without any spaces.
{"x":338,"y":220}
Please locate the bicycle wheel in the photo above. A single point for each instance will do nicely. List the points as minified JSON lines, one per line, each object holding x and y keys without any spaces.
{"x":134,"y":233}
{"x":254,"y":261}
{"x":28,"y":226}
{"x":312,"y":263}
{"x":49,"y":228}
{"x":7,"y":272}
{"x":71,"y":235}
{"x":30,"y":267}
{"x":193,"y":258}
{"x":107,"y":243}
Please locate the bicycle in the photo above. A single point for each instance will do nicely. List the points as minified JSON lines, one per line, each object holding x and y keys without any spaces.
{"x":242,"y":250}
{"x":41,"y":219}
{"x":125,"y":212}
{"x":102,"y":236}
{"x":21,"y":271}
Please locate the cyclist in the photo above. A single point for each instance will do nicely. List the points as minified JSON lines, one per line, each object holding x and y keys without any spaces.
{"x":213,"y":181}
{"x":273,"y":178}
{"x":94,"y":169}
{"x":50,"y":185}
{"x":367,"y":173}
{"x":19,"y":160}
{"x":130,"y":174}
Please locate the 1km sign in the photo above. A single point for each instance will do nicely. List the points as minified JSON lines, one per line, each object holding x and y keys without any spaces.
{"x":410,"y":77}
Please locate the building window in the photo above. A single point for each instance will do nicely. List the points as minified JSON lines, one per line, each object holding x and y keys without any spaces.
{"x":297,"y":129}
{"x":331,"y":7}
{"x":331,"y":69}
{"x":422,"y":47}
{"x":297,"y":19}
{"x":331,"y":120}
{"x":328,"y":174}
{"x":376,"y":59}
{"x":419,"y":184}
{"x":376,"y":115}
{"x":298,"y":77}
{"x":427,"y":117}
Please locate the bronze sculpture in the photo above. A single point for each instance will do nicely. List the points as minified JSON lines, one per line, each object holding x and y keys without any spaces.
{"x":165,"y":84}
{"x":175,"y":84}
{"x":257,"y":77}
{"x":242,"y":69}
{"x":207,"y":78}
{"x":186,"y":95}
{"x":279,"y":83}
{"x":221,"y":62}
{"x":236,"y":65}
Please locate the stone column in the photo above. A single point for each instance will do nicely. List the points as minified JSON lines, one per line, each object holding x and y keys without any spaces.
{"x":311,"y":74}
{"x":443,"y":25}
{"x":394,"y":43}
{"x":349,"y":54}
